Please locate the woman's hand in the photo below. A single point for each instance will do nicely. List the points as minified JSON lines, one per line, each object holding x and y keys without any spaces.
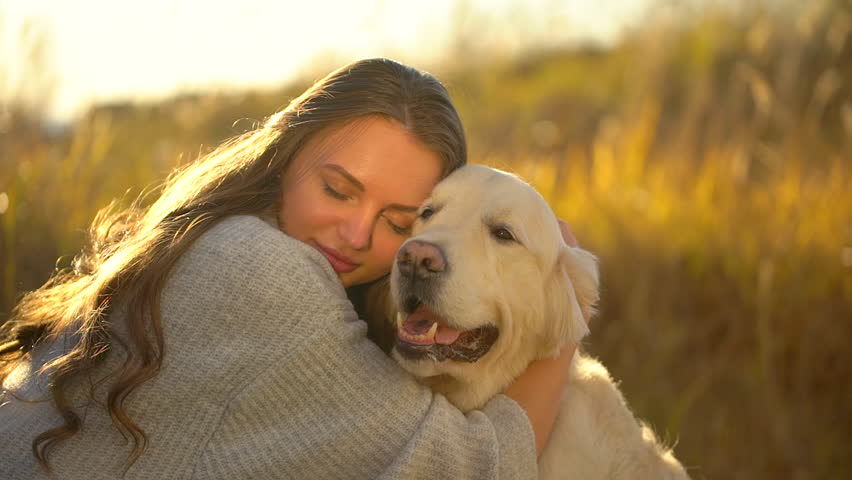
{"x":567,"y":235}
{"x":539,"y":389}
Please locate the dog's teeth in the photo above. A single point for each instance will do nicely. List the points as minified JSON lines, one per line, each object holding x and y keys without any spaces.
{"x":399,"y":321}
{"x":431,"y":334}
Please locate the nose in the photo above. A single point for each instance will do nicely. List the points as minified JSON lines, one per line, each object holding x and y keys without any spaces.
{"x":421,"y":259}
{"x":357,"y":230}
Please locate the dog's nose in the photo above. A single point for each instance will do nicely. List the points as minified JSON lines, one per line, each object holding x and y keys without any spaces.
{"x":423,"y":259}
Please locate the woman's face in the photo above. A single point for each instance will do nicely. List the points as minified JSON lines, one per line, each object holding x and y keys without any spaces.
{"x":352,"y":193}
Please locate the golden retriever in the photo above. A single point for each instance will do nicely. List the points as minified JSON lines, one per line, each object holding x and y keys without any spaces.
{"x":485,"y":286}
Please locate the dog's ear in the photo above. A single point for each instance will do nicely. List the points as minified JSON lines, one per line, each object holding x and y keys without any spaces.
{"x":380,"y":313}
{"x":571,"y":294}
{"x":582,"y":269}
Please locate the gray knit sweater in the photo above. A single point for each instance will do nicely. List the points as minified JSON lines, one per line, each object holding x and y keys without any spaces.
{"x":268,"y":374}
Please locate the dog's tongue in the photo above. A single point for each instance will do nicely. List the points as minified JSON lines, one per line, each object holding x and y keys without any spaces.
{"x":446,"y":334}
{"x":420,"y":321}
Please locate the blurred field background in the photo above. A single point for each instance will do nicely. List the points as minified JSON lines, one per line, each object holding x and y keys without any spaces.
{"x":704,"y":157}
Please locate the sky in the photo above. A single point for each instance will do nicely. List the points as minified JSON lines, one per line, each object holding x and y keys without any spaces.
{"x":117,"y":50}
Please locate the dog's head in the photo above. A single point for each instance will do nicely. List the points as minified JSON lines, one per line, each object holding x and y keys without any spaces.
{"x":486,"y":280}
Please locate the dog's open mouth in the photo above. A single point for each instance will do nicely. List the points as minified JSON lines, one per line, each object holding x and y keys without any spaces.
{"x":423,"y":335}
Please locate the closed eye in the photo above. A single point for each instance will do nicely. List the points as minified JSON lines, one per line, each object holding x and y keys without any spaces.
{"x":334,"y":193}
{"x":405,"y":231}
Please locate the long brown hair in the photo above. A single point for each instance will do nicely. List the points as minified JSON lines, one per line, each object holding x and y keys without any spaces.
{"x":130,"y":252}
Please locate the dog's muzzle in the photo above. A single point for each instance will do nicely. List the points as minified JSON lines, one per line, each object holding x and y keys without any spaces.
{"x":421,"y":260}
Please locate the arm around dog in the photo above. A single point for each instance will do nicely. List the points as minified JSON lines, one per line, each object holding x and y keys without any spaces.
{"x":337,"y":407}
{"x":331,"y":405}
{"x":539,"y":389}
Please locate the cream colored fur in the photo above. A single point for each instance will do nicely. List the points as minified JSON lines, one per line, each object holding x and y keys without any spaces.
{"x":539,"y":292}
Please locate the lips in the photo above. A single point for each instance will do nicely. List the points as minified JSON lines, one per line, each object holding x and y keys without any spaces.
{"x":339,"y":262}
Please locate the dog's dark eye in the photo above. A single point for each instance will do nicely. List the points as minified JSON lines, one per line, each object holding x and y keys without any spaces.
{"x":502,"y":234}
{"x":426,"y":213}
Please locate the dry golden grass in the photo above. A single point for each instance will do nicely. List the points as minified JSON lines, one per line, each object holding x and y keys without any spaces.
{"x":707,"y":164}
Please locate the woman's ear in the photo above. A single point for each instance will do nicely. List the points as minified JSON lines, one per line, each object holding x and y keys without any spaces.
{"x":570,"y":295}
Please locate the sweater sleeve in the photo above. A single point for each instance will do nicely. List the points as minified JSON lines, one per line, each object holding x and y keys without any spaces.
{"x":338,"y":408}
{"x":330,"y":404}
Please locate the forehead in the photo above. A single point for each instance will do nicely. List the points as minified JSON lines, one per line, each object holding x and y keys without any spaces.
{"x":380,"y":154}
{"x":493,"y":190}
{"x":496,"y":196}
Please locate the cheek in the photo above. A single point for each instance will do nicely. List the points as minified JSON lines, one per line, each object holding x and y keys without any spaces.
{"x":301,"y":212}
{"x":384,"y":249}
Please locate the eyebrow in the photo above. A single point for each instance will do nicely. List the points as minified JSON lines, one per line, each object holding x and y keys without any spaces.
{"x":360,"y":186}
{"x":348,"y":176}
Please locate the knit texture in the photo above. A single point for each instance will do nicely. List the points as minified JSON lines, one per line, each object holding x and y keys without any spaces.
{"x":268,"y":373}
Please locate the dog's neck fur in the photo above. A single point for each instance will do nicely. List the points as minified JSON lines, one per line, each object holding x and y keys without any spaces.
{"x":473,"y":393}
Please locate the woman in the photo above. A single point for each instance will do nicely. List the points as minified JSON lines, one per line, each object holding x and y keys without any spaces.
{"x":194,"y":340}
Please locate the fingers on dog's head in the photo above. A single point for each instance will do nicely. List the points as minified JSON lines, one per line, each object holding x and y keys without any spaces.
{"x":567,"y":235}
